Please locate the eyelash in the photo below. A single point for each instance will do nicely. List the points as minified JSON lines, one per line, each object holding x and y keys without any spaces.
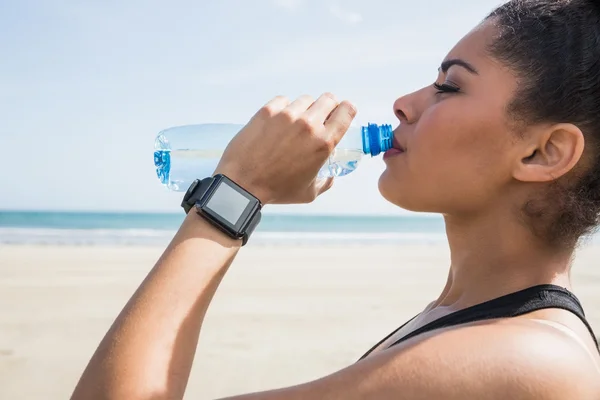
{"x":446,"y":88}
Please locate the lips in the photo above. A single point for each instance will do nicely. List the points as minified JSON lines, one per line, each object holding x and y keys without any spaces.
{"x":396,"y":144}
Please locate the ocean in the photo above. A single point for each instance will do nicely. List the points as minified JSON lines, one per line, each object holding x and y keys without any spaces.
{"x":130,"y":229}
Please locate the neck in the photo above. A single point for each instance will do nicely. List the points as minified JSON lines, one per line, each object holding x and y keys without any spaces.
{"x":494,"y":255}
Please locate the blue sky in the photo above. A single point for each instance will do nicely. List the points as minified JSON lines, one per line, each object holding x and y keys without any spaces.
{"x":86,"y":85}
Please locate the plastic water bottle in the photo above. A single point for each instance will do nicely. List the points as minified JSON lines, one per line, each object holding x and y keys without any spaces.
{"x":185,"y":153}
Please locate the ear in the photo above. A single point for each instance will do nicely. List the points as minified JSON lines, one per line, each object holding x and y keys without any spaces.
{"x":550,"y":153}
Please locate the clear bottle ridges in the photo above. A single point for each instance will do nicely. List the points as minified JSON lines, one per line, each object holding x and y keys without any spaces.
{"x":185,"y":153}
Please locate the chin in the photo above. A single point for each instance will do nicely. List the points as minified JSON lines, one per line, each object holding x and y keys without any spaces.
{"x":399,"y":195}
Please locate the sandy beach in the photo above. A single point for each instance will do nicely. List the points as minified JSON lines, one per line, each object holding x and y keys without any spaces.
{"x":283,"y":315}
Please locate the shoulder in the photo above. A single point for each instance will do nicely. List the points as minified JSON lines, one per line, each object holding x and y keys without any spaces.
{"x":499,"y":359}
{"x":512,"y":358}
{"x":521,"y":357}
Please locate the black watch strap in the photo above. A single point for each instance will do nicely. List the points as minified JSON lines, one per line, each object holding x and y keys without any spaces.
{"x":194,"y":193}
{"x":253,"y":224}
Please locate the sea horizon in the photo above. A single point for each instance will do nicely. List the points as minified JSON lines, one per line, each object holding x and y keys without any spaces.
{"x":157,"y":228}
{"x":149,"y":228}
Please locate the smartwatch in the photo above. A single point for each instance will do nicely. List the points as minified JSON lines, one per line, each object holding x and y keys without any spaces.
{"x":224,"y":204}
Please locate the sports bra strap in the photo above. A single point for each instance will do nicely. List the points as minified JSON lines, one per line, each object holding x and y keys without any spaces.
{"x":511,"y":305}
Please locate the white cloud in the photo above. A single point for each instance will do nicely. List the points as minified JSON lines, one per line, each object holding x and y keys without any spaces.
{"x":349,"y":17}
{"x":290,"y":5}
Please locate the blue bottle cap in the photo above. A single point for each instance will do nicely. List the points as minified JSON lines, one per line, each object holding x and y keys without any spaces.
{"x":377,"y":139}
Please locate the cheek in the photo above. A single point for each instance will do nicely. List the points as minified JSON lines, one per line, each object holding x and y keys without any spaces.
{"x":444,"y":144}
{"x":453,"y":161}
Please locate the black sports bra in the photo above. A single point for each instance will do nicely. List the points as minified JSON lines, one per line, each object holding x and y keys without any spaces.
{"x":511,"y":305}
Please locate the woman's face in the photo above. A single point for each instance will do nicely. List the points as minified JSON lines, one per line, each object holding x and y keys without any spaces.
{"x":459,"y":148}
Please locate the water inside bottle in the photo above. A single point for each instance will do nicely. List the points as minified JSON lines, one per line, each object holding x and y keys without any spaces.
{"x":341,"y":163}
{"x":177,"y":169}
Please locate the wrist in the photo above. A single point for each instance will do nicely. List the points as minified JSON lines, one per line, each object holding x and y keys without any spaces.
{"x":225,"y":205}
{"x":196,"y":226}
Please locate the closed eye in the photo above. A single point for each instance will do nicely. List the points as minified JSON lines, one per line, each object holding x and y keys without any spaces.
{"x":446,"y":88}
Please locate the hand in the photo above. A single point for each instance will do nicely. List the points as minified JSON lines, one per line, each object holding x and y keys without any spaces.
{"x":278,"y":154}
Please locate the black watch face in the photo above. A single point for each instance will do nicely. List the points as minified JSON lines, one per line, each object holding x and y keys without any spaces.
{"x":230,"y":205}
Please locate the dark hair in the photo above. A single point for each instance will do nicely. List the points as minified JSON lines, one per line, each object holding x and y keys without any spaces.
{"x":553,"y":47}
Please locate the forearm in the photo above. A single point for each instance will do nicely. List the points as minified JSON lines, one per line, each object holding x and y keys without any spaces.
{"x":149,"y":350}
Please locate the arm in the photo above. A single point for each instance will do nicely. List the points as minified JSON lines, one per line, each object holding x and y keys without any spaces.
{"x":148,"y":351}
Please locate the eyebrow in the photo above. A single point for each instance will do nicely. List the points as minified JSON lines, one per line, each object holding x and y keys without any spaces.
{"x":461,"y":63}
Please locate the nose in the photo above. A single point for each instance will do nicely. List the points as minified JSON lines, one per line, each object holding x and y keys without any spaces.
{"x":406,"y":108}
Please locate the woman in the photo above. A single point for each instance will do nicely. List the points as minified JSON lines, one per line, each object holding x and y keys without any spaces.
{"x":505,"y":144}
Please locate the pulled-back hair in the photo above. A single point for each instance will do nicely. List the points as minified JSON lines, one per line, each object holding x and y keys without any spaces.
{"x":553,"y":47}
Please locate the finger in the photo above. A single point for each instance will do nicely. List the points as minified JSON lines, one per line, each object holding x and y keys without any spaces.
{"x":300,"y":105}
{"x":340,"y":120}
{"x":273,"y":107}
{"x":322,"y":108}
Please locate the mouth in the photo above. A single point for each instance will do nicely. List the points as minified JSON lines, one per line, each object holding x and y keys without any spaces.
{"x":396,"y":145}
{"x":396,"y":150}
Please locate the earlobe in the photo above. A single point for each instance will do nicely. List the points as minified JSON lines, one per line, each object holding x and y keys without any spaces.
{"x":551,"y":154}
